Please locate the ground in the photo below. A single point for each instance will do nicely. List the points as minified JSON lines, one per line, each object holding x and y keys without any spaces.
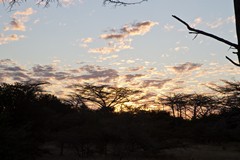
{"x":228,"y":151}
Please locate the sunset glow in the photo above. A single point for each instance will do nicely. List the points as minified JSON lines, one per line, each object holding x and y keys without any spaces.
{"x":139,"y":47}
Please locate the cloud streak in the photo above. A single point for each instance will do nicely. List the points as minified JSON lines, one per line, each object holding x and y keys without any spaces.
{"x":19,"y":18}
{"x":9,"y":38}
{"x":135,"y":29}
{"x":186,"y":77}
{"x":186,"y":67}
{"x":120,"y":39}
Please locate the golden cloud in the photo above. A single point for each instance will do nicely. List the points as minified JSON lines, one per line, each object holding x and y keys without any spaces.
{"x":19,"y":19}
{"x":119,"y":39}
{"x":6,"y":39}
{"x":26,"y":12}
{"x":15,"y":25}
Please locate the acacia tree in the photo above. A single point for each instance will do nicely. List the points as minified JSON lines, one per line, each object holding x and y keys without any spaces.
{"x":103,"y":97}
{"x":201,"y":105}
{"x":13,"y":96}
{"x":177,"y":103}
{"x":230,"y":93}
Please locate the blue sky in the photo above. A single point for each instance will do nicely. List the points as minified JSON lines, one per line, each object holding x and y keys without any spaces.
{"x":139,"y":46}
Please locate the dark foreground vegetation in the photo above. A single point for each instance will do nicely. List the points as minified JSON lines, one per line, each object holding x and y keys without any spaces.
{"x":34,"y":124}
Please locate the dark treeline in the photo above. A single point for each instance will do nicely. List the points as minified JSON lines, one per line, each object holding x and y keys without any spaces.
{"x":31,"y":120}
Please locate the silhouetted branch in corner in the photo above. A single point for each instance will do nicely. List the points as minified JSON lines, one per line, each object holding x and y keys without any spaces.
{"x":197,"y":31}
{"x":234,"y":45}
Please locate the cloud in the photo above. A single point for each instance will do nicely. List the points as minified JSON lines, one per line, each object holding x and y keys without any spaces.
{"x":112,"y":47}
{"x":186,"y":67}
{"x":6,"y":39}
{"x":19,"y":19}
{"x":15,"y":25}
{"x":8,"y":69}
{"x":181,"y":48}
{"x":197,"y":21}
{"x":119,"y":39}
{"x":168,"y":27}
{"x":104,"y":58}
{"x":96,"y":72}
{"x":49,"y":72}
{"x":87,"y":40}
{"x":104,"y":50}
{"x":155,"y":83}
{"x":133,"y":69}
{"x":66,"y":3}
{"x":113,"y":36}
{"x":139,"y":28}
{"x":151,"y":81}
{"x":220,"y":21}
{"x":132,"y":77}
{"x":214,"y":24}
{"x":27,"y":12}
{"x":135,"y":29}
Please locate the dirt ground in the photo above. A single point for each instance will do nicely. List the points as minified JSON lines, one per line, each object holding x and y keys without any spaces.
{"x":194,"y":152}
{"x":206,"y":152}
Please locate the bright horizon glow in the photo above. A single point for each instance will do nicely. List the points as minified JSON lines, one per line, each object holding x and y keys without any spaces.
{"x":138,"y":46}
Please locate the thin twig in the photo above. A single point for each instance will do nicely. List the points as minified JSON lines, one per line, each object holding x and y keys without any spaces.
{"x":119,"y":2}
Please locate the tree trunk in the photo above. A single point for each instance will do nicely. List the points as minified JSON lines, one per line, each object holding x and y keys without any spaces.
{"x":194,"y":113}
{"x":237,"y":18}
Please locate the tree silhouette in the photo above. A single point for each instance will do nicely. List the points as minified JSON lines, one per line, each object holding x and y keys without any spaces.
{"x":43,"y":120}
{"x":21,"y":121}
{"x":103,"y":97}
{"x":15,"y":96}
{"x":177,"y":102}
{"x":230,"y":93}
{"x":201,"y":105}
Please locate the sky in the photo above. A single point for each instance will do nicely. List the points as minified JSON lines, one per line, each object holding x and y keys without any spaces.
{"x":138,"y":46}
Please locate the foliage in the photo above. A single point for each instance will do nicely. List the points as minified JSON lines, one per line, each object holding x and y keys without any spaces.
{"x":103,"y":97}
{"x":30,"y":119}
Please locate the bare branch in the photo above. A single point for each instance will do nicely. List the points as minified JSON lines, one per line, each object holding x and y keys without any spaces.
{"x":196,"y":31}
{"x":12,"y":3}
{"x":119,"y":2}
{"x":236,"y":64}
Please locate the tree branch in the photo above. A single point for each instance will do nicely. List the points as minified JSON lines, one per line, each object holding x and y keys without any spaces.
{"x":236,"y":64}
{"x":12,"y":3}
{"x":119,"y":2}
{"x":197,"y":31}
